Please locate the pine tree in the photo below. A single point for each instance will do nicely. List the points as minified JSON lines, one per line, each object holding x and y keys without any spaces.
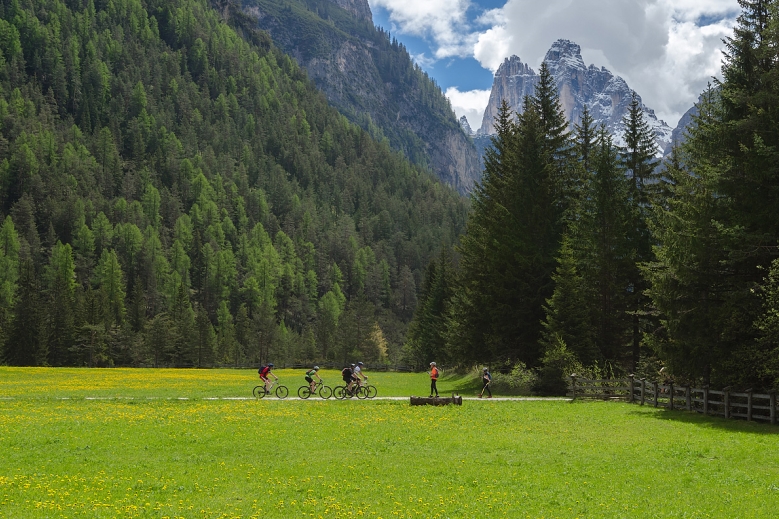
{"x":512,"y":238}
{"x":26,"y":345}
{"x":60,"y":279}
{"x":639,"y":161}
{"x":568,"y":316}
{"x":9,"y":276}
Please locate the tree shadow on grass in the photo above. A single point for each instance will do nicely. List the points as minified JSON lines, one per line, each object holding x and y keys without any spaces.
{"x":458,"y":384}
{"x":710,"y":422}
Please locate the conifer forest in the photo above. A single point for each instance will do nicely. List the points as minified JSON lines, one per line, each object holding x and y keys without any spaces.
{"x":174,"y":191}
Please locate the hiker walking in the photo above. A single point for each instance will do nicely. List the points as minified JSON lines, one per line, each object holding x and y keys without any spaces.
{"x":486,"y":379}
{"x":433,"y":378}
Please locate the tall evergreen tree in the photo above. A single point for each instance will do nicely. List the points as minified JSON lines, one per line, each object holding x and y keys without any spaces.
{"x":727,"y":214}
{"x":639,"y":158}
{"x":26,"y":345}
{"x":512,"y":238}
{"x":60,"y":279}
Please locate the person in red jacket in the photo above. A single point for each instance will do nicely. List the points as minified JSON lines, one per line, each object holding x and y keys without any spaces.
{"x":433,"y":378}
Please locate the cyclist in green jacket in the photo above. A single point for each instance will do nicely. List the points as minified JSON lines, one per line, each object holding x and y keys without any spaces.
{"x":310,"y":374}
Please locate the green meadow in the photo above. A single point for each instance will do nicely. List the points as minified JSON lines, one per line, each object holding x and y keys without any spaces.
{"x":139,"y":450}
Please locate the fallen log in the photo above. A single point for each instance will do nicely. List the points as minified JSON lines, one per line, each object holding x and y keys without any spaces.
{"x":422,"y":400}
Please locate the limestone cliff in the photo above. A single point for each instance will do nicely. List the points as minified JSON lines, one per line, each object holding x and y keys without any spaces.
{"x":372,"y":80}
{"x":359,"y":8}
{"x":606,"y":96}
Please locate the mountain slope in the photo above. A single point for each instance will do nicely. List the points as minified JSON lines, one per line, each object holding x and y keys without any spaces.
{"x":172,"y":194}
{"x":372,"y":80}
{"x":607,"y":96}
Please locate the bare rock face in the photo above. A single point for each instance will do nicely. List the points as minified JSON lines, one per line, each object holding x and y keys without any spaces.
{"x":359,"y":8}
{"x":465,"y":125}
{"x":373,"y":82}
{"x":606,"y":96}
{"x":513,"y":81}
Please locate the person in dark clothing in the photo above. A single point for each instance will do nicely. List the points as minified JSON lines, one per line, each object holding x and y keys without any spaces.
{"x":486,"y":379}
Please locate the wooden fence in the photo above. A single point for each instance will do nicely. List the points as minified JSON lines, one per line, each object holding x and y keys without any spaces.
{"x":730,"y":404}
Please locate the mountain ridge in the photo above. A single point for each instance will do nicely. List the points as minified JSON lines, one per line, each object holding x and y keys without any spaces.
{"x":606,"y":95}
{"x":371,"y":79}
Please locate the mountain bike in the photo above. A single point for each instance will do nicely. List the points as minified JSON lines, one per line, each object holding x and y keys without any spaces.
{"x":370,"y":390}
{"x":281,"y":391}
{"x":342,"y":392}
{"x":319,"y":389}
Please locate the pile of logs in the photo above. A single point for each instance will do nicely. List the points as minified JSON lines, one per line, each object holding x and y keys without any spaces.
{"x":422,"y":400}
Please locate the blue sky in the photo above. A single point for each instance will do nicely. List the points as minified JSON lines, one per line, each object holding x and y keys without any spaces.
{"x":666,"y":50}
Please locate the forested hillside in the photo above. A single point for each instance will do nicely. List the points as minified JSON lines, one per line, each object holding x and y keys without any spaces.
{"x":172,"y":193}
{"x":371,"y":79}
{"x":581,"y":256}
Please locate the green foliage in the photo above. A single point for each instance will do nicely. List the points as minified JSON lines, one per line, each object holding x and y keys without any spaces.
{"x":557,"y":365}
{"x":193,"y":173}
{"x":511,"y":241}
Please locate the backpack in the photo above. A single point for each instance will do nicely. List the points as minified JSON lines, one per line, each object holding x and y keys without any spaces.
{"x":263,"y":370}
{"x":346,"y":372}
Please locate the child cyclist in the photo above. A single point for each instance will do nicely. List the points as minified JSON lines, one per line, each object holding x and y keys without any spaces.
{"x":309,"y":377}
{"x":265,"y":372}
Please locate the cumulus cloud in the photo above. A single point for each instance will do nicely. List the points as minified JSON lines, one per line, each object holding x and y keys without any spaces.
{"x":445,"y":22}
{"x":469,"y":104}
{"x":667,"y":50}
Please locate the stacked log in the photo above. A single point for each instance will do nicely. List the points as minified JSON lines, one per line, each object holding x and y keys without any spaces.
{"x":422,"y":400}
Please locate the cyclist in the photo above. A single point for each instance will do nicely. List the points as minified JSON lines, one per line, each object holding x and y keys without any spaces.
{"x":264,"y":372}
{"x":358,"y":375}
{"x":310,"y":374}
{"x":346,"y":375}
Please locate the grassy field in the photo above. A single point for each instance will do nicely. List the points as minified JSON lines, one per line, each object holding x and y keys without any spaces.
{"x":198,"y":383}
{"x":153,"y":455}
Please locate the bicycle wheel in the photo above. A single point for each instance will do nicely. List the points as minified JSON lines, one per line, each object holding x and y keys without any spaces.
{"x":339,"y":392}
{"x":325,"y":392}
{"x":371,"y":391}
{"x":282,"y":392}
{"x":361,"y":392}
{"x":259,"y":391}
{"x":304,"y":392}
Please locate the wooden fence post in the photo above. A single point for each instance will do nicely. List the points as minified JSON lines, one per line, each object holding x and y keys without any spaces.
{"x":772,"y":405}
{"x":726,"y":399}
{"x":688,"y":398}
{"x":706,"y":400}
{"x":749,"y":404}
{"x":671,"y":396}
{"x":656,"y":391}
{"x":643,"y":390}
{"x":573,"y":385}
{"x":632,"y":394}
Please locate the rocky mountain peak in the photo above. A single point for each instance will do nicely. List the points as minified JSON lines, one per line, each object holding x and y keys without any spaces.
{"x":359,"y":8}
{"x":606,"y":96}
{"x":564,"y":54}
{"x":465,"y":125}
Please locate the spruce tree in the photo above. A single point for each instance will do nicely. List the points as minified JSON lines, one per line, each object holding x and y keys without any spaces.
{"x":640,"y":161}
{"x":568,"y":316}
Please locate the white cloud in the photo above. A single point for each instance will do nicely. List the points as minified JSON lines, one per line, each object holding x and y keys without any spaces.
{"x":492,"y":47}
{"x":470,"y":104}
{"x":443,"y":21}
{"x":667,"y":50}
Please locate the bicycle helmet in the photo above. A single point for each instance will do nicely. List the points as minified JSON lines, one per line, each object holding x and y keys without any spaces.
{"x":359,"y":364}
{"x":432,"y":363}
{"x":352,"y":365}
{"x":485,"y":369}
{"x":316,"y":368}
{"x":270,"y":364}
